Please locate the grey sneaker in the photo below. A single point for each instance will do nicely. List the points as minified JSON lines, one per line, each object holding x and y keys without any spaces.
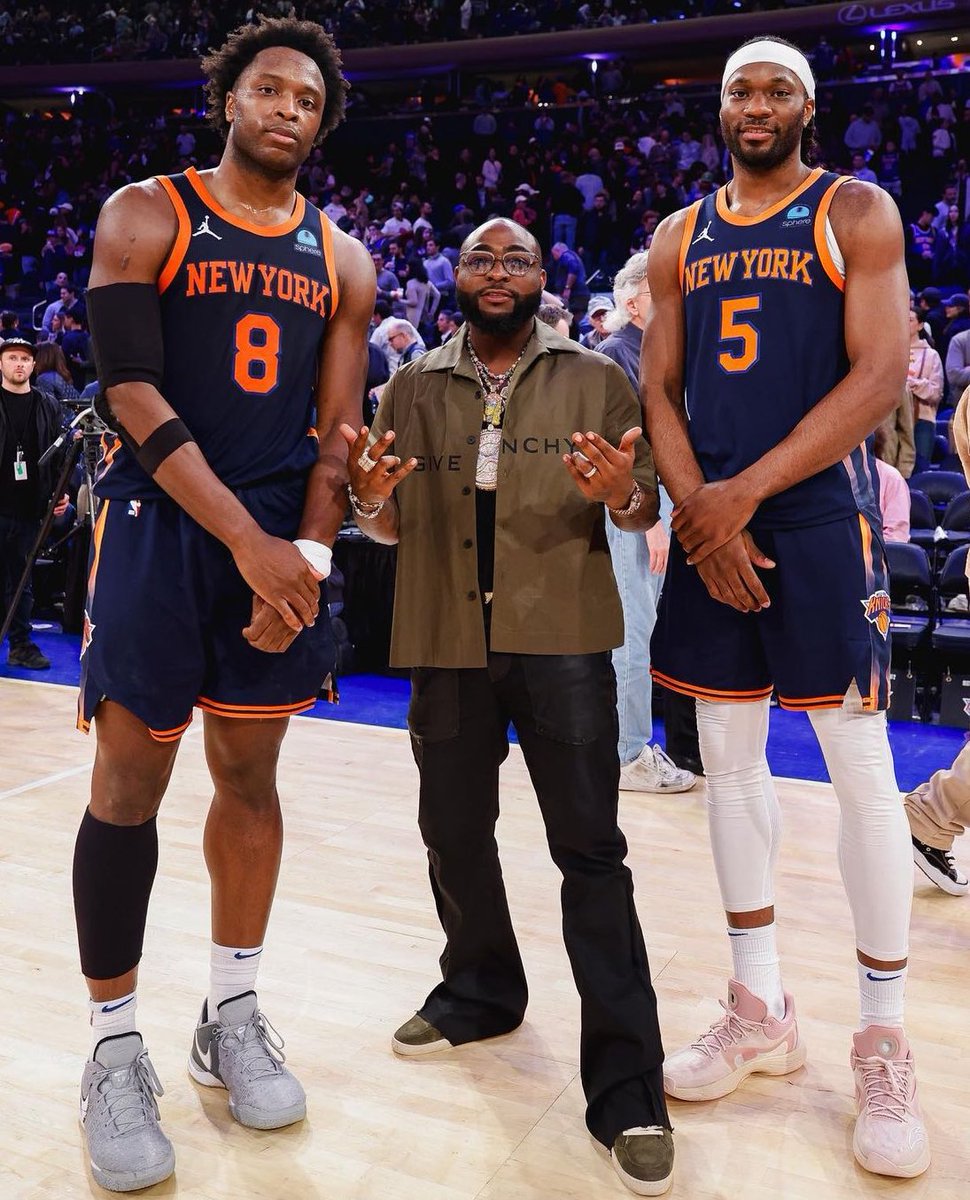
{"x":654,"y":772}
{"x":643,"y":1157}
{"x":417,"y":1036}
{"x":119,"y":1116}
{"x":243,"y":1053}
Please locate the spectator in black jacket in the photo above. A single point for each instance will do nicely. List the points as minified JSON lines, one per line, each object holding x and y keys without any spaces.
{"x":30,"y":421}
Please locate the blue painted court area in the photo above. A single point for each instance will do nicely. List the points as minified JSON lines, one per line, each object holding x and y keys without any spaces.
{"x":918,"y":750}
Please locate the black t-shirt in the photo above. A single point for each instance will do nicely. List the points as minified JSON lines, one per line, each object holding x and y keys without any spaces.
{"x":19,"y":498}
{"x":485,"y":538}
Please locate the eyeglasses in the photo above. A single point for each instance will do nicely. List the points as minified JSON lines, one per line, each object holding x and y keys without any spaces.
{"x":480,"y":262}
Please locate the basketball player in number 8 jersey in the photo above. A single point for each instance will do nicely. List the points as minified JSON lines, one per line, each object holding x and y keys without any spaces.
{"x":777,"y":342}
{"x":230,"y":324}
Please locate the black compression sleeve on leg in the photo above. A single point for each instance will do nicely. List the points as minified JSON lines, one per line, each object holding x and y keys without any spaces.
{"x":114,"y":869}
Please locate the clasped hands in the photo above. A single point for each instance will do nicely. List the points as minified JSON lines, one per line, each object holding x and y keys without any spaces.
{"x":710,"y":525}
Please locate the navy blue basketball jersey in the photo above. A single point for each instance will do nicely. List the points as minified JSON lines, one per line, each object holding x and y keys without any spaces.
{"x":764,"y":310}
{"x":244,"y":308}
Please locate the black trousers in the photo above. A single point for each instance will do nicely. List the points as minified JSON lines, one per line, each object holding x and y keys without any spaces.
{"x":16,"y":541}
{"x":563,"y":708}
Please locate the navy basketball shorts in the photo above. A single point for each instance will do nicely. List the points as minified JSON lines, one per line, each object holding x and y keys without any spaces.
{"x":165,"y":612}
{"x":827,"y":625}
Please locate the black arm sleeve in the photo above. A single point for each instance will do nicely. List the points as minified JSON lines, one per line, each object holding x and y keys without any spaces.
{"x":126,"y":329}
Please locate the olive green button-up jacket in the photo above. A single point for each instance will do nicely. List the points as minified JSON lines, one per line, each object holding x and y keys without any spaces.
{"x":554,"y":586}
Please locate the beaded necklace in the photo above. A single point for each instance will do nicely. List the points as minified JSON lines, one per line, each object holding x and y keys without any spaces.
{"x":496,"y":388}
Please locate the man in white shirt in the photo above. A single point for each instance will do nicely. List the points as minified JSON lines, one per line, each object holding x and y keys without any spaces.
{"x":492,"y":170}
{"x":335,"y":210}
{"x":423,"y":220}
{"x":397,"y":223}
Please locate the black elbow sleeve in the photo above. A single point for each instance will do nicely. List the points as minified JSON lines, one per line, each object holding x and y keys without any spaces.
{"x":126,"y":330}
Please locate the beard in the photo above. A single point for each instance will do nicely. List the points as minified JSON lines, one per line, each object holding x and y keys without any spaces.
{"x":524,"y":308}
{"x":764,"y":158}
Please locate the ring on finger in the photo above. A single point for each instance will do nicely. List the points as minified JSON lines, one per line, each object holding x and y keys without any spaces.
{"x":590,"y":473}
{"x":365,"y":462}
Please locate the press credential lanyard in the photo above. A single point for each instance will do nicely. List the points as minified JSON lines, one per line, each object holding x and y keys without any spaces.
{"x":19,"y":463}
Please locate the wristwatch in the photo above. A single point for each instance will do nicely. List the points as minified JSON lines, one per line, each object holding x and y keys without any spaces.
{"x":633,"y":504}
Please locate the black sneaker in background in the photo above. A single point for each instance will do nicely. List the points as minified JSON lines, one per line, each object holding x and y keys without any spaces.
{"x":28,"y":656}
{"x":941,"y":868}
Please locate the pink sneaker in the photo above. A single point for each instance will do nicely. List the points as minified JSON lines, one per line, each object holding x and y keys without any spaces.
{"x":747,"y":1040}
{"x":890,"y":1137}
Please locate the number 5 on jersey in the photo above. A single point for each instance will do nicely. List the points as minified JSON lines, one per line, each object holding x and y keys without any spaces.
{"x":745,"y":355}
{"x":256,"y":363}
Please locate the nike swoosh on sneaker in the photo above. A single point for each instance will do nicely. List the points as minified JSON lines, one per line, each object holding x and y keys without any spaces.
{"x":882,"y":978}
{"x":84,"y":1108}
{"x":115,"y":1007}
{"x":239,"y":954}
{"x":204,"y":1056}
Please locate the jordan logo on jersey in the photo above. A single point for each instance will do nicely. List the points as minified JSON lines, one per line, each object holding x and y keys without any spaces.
{"x":877,"y":611}
{"x":704,"y":235}
{"x":204,"y":228}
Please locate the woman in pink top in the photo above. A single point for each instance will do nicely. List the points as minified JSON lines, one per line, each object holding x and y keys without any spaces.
{"x":925,"y":384}
{"x":893,"y":494}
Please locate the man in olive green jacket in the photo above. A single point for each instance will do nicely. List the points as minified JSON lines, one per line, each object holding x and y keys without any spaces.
{"x":510,"y":444}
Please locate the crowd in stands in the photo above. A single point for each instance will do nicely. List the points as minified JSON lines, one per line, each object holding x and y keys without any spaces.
{"x":71,"y":32}
{"x":590,"y":180}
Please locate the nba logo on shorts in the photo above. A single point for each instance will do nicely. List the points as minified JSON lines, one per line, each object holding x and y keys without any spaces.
{"x":877,"y":611}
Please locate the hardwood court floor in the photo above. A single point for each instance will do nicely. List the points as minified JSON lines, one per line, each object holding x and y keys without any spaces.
{"x":353,"y":948}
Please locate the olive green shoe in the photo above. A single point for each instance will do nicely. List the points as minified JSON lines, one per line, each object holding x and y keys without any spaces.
{"x":418,"y":1037}
{"x":643,"y":1157}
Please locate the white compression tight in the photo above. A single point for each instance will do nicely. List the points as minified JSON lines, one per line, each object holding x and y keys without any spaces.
{"x":742,"y":808}
{"x":745,"y":821}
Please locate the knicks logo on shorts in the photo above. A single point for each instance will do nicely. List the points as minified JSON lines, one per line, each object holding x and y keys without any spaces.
{"x":877,"y":611}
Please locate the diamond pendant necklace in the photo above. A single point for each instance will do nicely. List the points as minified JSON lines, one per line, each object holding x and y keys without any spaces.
{"x":495,"y":386}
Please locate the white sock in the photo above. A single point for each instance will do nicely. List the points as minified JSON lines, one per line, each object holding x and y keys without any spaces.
{"x":110,"y":1017}
{"x":756,"y":965}
{"x":232,"y":971}
{"x":881,"y":996}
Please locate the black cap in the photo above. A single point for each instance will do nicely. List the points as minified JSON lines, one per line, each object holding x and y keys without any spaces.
{"x":18,"y":343}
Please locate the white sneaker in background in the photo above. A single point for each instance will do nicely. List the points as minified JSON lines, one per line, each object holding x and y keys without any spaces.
{"x":653,"y":771}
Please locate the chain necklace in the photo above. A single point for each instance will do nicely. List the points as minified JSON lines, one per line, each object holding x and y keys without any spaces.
{"x":496,"y":387}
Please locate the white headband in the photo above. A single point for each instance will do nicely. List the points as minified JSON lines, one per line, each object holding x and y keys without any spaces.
{"x":771,"y":52}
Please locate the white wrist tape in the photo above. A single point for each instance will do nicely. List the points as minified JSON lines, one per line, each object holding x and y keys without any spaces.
{"x":317,"y":555}
{"x":771,"y":52}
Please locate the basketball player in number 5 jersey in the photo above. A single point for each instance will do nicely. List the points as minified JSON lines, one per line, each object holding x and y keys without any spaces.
{"x":230,"y":323}
{"x":776,"y":344}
